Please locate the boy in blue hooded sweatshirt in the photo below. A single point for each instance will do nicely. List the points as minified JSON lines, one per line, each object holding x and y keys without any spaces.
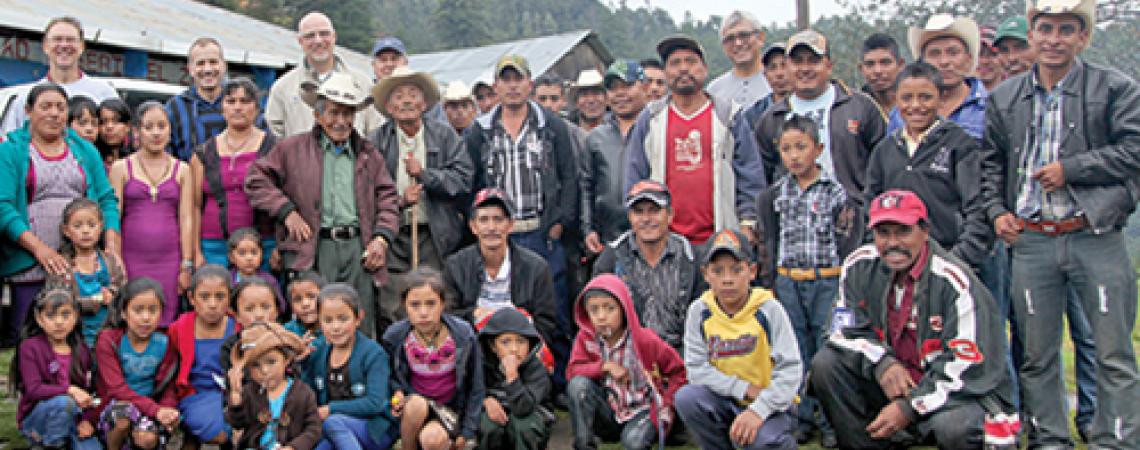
{"x":622,"y":376}
{"x":516,"y":382}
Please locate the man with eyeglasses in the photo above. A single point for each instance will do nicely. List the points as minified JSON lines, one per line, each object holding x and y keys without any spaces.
{"x":285,"y":112}
{"x":742,"y":40}
{"x":655,"y":82}
{"x":63,"y":45}
{"x":1060,"y":173}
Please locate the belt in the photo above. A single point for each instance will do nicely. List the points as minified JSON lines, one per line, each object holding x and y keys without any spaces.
{"x":525,"y":225}
{"x":340,"y":233}
{"x":1054,"y":228}
{"x":818,"y":273}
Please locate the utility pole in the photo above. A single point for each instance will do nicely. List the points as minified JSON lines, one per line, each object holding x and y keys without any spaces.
{"x":803,"y":17}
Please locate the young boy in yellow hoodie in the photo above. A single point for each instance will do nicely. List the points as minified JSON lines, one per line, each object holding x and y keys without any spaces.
{"x":741,"y":355}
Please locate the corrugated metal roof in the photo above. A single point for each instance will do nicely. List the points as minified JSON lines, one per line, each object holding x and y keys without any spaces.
{"x":478,"y":63}
{"x":168,"y":27}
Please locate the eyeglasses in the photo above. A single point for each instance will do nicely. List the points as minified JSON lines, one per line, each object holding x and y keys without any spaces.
{"x":313,"y":34}
{"x":739,"y":36}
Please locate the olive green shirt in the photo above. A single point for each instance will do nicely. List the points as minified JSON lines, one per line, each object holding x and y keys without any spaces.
{"x":338,"y":197}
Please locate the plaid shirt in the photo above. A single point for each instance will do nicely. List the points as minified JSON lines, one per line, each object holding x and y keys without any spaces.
{"x":1046,"y":134}
{"x":807,"y":223}
{"x":634,"y":396}
{"x":516,"y":168}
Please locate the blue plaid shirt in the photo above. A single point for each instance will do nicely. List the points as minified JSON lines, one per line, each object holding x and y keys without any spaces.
{"x":807,"y":223}
{"x":1045,"y":135}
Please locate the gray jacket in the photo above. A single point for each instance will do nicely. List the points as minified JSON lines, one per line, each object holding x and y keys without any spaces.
{"x":1100,"y":148}
{"x":446,"y":178}
{"x":604,"y":210}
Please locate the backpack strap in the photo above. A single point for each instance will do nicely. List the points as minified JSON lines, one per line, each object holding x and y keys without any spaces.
{"x":211,"y":165}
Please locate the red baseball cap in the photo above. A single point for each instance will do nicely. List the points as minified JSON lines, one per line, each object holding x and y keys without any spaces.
{"x":897,"y":206}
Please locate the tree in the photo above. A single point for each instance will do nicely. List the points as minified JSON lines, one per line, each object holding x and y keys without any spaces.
{"x":461,"y":23}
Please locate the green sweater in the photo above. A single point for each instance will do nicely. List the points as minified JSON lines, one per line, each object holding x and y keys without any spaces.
{"x":14,"y":162}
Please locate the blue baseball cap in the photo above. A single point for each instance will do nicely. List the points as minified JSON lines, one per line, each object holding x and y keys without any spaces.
{"x":389,"y":43}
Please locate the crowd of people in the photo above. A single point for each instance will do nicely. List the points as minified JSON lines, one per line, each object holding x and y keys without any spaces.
{"x":377,"y":260}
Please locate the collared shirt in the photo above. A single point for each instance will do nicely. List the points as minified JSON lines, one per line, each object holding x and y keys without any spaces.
{"x":338,"y":194}
{"x":632,"y":397}
{"x":1044,"y":137}
{"x":657,"y":291}
{"x":807,"y":222}
{"x":495,"y":292}
{"x":415,"y":146}
{"x":970,"y":115}
{"x":902,"y":314}
{"x":913,"y":142}
{"x":515,"y":166}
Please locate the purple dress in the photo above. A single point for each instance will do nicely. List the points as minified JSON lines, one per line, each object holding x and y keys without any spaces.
{"x":151,"y":241}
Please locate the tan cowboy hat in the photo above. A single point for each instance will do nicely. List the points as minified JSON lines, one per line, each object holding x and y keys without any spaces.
{"x":262,"y":337}
{"x":339,"y":88}
{"x":457,"y":91}
{"x":405,"y":75}
{"x":1084,"y":9}
{"x":943,"y":25}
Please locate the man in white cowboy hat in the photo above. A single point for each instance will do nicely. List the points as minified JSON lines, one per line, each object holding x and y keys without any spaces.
{"x":589,"y":100}
{"x":331,"y":194}
{"x":951,"y":44}
{"x":433,"y":174}
{"x":459,"y":105}
{"x":1060,"y":180}
{"x":742,"y":39}
{"x":285,"y":111}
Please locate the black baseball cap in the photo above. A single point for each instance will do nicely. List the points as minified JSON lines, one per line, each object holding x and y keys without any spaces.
{"x":676,"y":42}
{"x":495,"y":196}
{"x":731,"y":241}
{"x":648,"y":190}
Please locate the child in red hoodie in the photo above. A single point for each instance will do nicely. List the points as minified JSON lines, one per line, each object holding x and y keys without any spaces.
{"x":622,"y":376}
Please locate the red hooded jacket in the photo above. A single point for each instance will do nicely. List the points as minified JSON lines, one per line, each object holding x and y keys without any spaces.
{"x":664,"y":365}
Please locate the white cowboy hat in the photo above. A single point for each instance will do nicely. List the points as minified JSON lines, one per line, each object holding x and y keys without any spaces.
{"x":401,"y":76}
{"x":1084,"y":9}
{"x":590,"y":78}
{"x":943,"y":25}
{"x":339,"y":88}
{"x":457,"y":91}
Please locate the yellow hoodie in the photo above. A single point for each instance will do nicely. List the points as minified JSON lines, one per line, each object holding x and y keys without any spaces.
{"x":739,"y":345}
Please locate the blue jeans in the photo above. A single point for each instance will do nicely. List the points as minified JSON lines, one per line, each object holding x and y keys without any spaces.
{"x":591,"y":415}
{"x":808,"y":304}
{"x":994,"y":272}
{"x":551,"y":250}
{"x":1097,"y":268}
{"x":708,"y":417}
{"x":53,"y":423}
{"x":1084,"y":358}
{"x":342,"y":432}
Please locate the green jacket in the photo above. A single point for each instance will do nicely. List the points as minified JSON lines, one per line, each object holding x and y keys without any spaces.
{"x":14,"y":162}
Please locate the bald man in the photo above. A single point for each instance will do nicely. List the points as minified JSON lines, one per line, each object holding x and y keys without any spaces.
{"x":285,"y":112}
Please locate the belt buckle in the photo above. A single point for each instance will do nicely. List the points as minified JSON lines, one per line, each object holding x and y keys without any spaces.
{"x":337,"y":232}
{"x":1049,"y":227}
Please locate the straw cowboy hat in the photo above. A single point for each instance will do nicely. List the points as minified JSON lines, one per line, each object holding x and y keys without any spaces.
{"x":945,"y":25}
{"x":457,"y":91}
{"x":401,"y":76}
{"x":339,"y":87}
{"x":260,"y":338}
{"x":1083,"y":9}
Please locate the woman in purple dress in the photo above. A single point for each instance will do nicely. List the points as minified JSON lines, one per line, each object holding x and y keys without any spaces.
{"x":156,"y":191}
{"x":44,"y":166}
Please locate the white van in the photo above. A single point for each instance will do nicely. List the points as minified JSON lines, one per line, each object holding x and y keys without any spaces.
{"x":132,"y":90}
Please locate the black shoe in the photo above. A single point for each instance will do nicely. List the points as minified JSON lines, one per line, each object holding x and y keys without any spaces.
{"x":1083,"y":432}
{"x":562,"y":402}
{"x":828,"y":440}
{"x":802,"y":435}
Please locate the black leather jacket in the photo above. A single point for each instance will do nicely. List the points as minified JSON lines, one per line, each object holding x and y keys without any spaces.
{"x":447,"y":179}
{"x":1100,"y":146}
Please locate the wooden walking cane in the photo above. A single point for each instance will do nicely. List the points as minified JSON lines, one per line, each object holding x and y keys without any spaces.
{"x":416,"y":236}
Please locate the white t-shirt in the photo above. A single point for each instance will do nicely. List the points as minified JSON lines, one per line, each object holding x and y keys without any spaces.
{"x":819,"y":110}
{"x":95,"y":89}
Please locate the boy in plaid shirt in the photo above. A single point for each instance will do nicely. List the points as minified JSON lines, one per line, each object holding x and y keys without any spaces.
{"x":808,"y":224}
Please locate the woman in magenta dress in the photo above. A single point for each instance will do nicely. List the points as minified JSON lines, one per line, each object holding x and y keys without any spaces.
{"x":156,"y":192}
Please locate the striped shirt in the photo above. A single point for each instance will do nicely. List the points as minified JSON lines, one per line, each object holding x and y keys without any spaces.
{"x":194,"y":120}
{"x":515,"y":166}
{"x":1045,"y":135}
{"x":495,"y":292}
{"x":806,"y":219}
